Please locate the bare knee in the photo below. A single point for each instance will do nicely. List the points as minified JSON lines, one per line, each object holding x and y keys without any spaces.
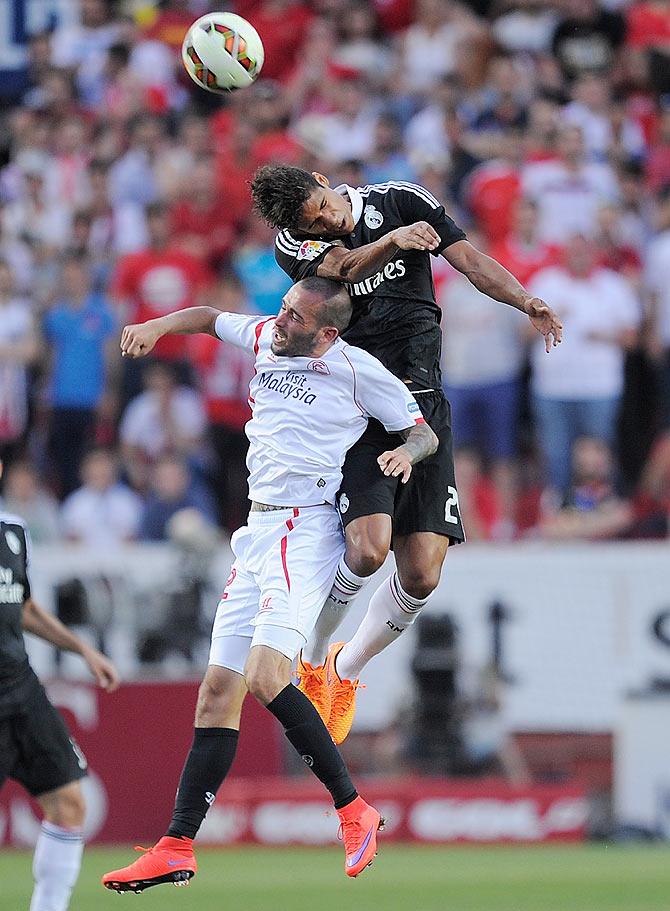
{"x":220,"y":699}
{"x":420,"y":582}
{"x":368,"y":543}
{"x":419,"y":558}
{"x":64,"y":807}
{"x":267,"y":673}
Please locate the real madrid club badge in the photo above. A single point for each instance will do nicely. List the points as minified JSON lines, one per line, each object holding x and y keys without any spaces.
{"x":372,"y":218}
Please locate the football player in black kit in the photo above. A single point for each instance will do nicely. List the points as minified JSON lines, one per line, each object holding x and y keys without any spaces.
{"x":35,"y":747}
{"x":377,"y":240}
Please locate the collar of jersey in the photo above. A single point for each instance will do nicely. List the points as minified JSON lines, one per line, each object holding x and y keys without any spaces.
{"x":355,"y":199}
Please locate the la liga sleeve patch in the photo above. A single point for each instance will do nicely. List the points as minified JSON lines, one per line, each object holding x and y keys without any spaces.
{"x":312,"y":249}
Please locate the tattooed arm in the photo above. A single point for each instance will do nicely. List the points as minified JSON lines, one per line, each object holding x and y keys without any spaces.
{"x":419,"y":442}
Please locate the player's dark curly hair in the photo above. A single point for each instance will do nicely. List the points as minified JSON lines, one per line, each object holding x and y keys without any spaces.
{"x":280,"y":192}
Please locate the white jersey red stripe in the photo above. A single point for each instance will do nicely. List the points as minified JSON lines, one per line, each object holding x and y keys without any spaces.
{"x":307,"y":412}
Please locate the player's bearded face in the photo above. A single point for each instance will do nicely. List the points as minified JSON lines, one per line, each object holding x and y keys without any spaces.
{"x":293,"y":341}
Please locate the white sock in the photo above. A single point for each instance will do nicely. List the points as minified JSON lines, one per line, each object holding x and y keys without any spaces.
{"x":56,"y":864}
{"x":390,"y":612}
{"x":345,"y":588}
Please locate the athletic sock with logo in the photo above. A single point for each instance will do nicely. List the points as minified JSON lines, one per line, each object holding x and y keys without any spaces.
{"x":308,"y":735}
{"x":345,"y":588}
{"x":390,"y":612}
{"x":207,"y":764}
{"x":56,"y":864}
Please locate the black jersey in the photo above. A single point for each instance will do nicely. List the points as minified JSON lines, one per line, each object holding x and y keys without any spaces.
{"x":14,"y":591}
{"x":395,"y":314}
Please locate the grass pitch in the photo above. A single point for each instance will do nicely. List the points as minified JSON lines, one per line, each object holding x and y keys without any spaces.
{"x":571,"y":878}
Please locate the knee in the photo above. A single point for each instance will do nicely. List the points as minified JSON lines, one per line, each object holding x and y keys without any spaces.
{"x":420,"y":581}
{"x":263,"y":682}
{"x":366,"y":554}
{"x":219,"y":704}
{"x":67,"y":808}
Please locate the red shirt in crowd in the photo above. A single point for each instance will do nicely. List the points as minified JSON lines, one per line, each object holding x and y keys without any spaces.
{"x":648,"y":25}
{"x":211,"y":226}
{"x":282,"y":30}
{"x":225,"y":373}
{"x":522,"y":261}
{"x":156,"y":282}
{"x":493,"y":189}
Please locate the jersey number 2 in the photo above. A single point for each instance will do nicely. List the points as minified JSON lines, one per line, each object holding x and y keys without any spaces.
{"x":451,"y":504}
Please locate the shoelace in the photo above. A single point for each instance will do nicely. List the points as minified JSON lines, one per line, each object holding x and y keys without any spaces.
{"x":296,"y":674}
{"x":348,"y":832}
{"x":145,"y":850}
{"x":339,"y":708}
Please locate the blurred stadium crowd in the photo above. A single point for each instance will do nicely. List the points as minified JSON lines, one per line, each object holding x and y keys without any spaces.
{"x":543,"y":126}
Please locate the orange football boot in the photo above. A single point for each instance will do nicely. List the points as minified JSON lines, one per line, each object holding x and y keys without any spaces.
{"x":359,"y":823}
{"x":312,"y":682}
{"x":171,"y":860}
{"x":342,"y":697}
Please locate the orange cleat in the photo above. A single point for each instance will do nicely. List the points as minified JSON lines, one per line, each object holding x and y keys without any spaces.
{"x":171,"y":860}
{"x":312,"y":682}
{"x":359,"y":823}
{"x":342,"y":697}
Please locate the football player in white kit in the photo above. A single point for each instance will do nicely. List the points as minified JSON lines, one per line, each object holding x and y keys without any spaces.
{"x":311,"y":397}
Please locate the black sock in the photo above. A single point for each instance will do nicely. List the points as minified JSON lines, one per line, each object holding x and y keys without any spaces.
{"x":206,"y":766}
{"x":309,"y":736}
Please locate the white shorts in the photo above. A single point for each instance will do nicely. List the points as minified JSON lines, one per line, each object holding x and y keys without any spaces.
{"x":285,"y":563}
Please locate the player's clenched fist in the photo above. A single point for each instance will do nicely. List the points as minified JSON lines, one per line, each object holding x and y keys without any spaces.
{"x":138,"y":340}
{"x":396,"y":462}
{"x":419,"y":236}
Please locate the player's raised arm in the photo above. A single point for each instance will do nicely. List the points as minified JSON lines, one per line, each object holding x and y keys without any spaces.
{"x":139,"y":340}
{"x":492,"y":279}
{"x":340,"y":264}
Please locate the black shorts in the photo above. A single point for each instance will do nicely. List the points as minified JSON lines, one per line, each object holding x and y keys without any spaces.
{"x":35,"y":747}
{"x":429,"y":500}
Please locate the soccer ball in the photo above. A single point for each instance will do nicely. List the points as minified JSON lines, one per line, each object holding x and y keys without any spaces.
{"x":222,"y":51}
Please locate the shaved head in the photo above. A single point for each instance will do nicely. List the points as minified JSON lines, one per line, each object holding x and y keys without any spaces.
{"x":335,"y":307}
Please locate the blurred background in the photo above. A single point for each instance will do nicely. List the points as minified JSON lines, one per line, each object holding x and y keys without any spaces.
{"x":531,"y":702}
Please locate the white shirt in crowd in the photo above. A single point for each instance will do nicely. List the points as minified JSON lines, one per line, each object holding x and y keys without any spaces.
{"x":143,"y":426}
{"x":16,"y":323}
{"x":582,"y":368}
{"x":483,"y":341}
{"x":426,"y":56}
{"x":598,"y":133}
{"x":101,"y":518}
{"x":657,"y":281}
{"x":568,"y":202}
{"x":307,"y":412}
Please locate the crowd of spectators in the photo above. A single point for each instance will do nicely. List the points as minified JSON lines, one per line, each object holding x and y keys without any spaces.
{"x":544,"y":127}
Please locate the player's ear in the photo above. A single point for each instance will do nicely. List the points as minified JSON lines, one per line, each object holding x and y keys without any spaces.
{"x":321,"y":178}
{"x":330,"y":334}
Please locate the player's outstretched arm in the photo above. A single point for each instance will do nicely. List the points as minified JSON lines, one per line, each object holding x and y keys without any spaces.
{"x":342,"y":265}
{"x":419,"y":443}
{"x":36,"y":621}
{"x":139,"y":340}
{"x":489,"y":277}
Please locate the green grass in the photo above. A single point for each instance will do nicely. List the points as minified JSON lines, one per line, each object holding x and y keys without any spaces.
{"x":591,"y":878}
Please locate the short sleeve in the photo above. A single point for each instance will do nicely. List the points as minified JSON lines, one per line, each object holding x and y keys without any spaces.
{"x":300,"y":258}
{"x":415,"y":203}
{"x":239,"y":330}
{"x":380,"y":394}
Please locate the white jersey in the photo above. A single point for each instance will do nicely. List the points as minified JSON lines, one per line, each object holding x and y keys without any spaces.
{"x":307,"y":412}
